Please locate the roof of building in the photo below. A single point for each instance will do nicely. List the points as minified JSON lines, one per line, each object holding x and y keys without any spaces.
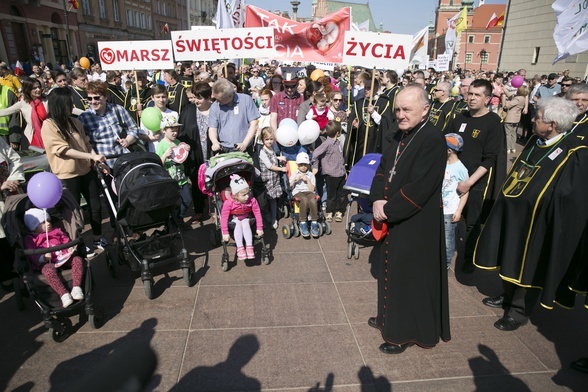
{"x":359,"y":12}
{"x":483,"y":13}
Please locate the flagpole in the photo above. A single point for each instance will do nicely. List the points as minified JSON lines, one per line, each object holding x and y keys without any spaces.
{"x":503,"y":34}
{"x":68,"y":48}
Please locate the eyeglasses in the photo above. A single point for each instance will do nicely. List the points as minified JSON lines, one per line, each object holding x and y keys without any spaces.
{"x":287,"y":86}
{"x":94,"y":98}
{"x":437,"y":90}
{"x":566,"y":85}
{"x":336,"y":99}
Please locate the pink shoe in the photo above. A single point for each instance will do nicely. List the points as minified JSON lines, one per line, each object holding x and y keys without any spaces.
{"x":241,"y":254}
{"x":250,"y":252}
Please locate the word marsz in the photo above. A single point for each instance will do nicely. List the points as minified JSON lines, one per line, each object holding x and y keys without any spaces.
{"x":110,"y":56}
{"x":377,"y":50}
{"x":223,"y":44}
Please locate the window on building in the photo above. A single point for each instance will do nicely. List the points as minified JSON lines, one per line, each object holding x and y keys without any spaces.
{"x":136,"y":19}
{"x":536,"y":55}
{"x":486,"y":39}
{"x":129,"y":18}
{"x":149,"y":22}
{"x":468,"y":57}
{"x":115,"y":11}
{"x":157,"y":9}
{"x":471,"y":39}
{"x":484,"y":57}
{"x":86,"y":7}
{"x":102,"y":9}
{"x":163,"y":9}
{"x":142,"y":20}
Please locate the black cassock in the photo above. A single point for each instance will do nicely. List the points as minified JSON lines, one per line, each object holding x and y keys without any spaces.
{"x":412,"y":287}
{"x":355,"y":141}
{"x":537,"y":222}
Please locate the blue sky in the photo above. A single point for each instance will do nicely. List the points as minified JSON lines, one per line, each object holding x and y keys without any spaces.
{"x":397,"y":16}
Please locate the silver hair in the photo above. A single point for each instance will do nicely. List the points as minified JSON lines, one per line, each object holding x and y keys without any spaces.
{"x":223,"y":87}
{"x":423,"y":95}
{"x":445,"y":86}
{"x":558,"y":110}
{"x":577,"y":88}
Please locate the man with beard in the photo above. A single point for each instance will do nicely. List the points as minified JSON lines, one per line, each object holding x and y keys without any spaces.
{"x":413,"y":305}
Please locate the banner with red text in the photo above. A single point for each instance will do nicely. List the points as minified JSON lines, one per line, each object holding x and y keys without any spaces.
{"x":321,"y":40}
{"x":206,"y":45}
{"x":379,"y":50}
{"x":117,"y":55}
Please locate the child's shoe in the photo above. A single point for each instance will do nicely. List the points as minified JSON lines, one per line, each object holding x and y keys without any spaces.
{"x":250,"y":250}
{"x":77,"y":293}
{"x":304,"y":229}
{"x":241,"y":253}
{"x":66,"y":300}
{"x":314,"y":229}
{"x":329,"y":217}
{"x":338,"y":216}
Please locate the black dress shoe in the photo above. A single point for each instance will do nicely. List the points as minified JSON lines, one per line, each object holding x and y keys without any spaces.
{"x":580,"y":365}
{"x":372,"y":322}
{"x":494,"y":302}
{"x":389,"y":348}
{"x":507,"y":323}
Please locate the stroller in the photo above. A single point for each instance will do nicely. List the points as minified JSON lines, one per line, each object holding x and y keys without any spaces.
{"x":293,"y":229}
{"x":147,"y":198}
{"x":217,"y":179}
{"x":358,"y":225}
{"x":66,"y":215}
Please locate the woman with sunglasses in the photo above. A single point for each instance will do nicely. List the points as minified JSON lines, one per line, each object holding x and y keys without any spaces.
{"x":33,"y":108}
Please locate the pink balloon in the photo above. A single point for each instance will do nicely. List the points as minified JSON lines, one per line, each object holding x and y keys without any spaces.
{"x":517,"y":81}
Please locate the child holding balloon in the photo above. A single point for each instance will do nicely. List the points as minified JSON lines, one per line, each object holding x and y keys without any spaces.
{"x":153,"y":118}
{"x":43,"y":235}
{"x":270,"y":169}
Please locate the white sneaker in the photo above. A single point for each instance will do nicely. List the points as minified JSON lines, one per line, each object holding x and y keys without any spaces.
{"x":66,"y":300}
{"x":77,"y":293}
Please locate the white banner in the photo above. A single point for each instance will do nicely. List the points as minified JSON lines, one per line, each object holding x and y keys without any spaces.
{"x":223,"y":44}
{"x":443,"y":62}
{"x":117,"y":55}
{"x":383,"y":51}
{"x":420,"y":45}
{"x":230,"y":14}
{"x":570,"y":32}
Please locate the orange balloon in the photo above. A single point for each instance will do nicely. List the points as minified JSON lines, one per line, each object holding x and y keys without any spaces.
{"x":84,"y":63}
{"x":317,"y":74}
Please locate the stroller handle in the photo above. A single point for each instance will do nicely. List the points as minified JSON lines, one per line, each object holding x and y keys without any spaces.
{"x":41,"y":251}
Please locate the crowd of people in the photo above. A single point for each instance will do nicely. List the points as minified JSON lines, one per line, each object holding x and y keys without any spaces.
{"x":446,"y":139}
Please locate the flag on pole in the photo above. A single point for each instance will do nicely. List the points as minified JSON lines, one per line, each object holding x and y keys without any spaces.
{"x":230,"y":14}
{"x":165,"y":29}
{"x":18,"y":69}
{"x":500,"y":21}
{"x":493,"y":21}
{"x":570,"y":33}
{"x":461,"y":23}
{"x":420,"y":44}
{"x":74,"y":3}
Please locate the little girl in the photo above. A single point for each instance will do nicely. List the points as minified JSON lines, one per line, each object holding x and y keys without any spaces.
{"x":43,"y":235}
{"x":319,"y":111}
{"x":239,"y":206}
{"x":268,"y":163}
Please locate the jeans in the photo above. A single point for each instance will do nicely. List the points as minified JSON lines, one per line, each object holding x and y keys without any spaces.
{"x":450,"y":230}
{"x":186,"y":196}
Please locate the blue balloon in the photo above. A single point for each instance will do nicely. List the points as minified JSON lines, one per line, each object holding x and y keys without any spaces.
{"x":44,"y":190}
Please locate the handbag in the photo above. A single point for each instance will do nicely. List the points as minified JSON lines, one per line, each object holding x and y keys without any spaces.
{"x":138,"y":145}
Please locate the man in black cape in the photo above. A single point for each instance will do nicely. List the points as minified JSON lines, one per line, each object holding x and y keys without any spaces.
{"x":413,"y":303}
{"x":534,"y":233}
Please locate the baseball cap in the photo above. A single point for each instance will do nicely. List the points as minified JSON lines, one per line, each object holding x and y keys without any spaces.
{"x":301,"y":158}
{"x":454,"y":141}
{"x":170,"y":122}
{"x":552,"y":76}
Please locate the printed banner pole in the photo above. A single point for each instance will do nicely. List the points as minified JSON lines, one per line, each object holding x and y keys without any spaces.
{"x":369,"y":117}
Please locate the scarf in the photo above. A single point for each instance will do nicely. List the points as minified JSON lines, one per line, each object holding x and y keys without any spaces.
{"x":38,"y":115}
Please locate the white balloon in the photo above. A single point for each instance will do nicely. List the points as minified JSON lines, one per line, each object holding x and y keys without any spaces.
{"x":308,"y":132}
{"x":287,"y":136}
{"x":288,"y":122}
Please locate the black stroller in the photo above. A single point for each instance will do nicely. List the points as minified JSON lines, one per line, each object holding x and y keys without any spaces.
{"x":358,"y":183}
{"x":218,"y":178}
{"x":148,"y":235}
{"x":66,"y":215}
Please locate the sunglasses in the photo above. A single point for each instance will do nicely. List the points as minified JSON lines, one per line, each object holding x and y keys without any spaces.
{"x":437,"y":90}
{"x":337,"y":99}
{"x":94,"y":98}
{"x":566,"y":85}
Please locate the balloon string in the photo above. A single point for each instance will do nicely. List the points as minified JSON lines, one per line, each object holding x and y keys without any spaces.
{"x":46,"y":229}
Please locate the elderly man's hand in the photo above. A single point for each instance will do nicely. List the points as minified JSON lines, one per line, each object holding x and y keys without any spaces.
{"x":378,"y":210}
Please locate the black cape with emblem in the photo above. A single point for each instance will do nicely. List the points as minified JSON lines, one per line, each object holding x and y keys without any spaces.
{"x":537,"y":222}
{"x":355,"y":141}
{"x":413,"y":303}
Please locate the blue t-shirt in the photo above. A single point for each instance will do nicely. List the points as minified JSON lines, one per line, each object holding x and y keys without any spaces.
{"x":454,"y":174}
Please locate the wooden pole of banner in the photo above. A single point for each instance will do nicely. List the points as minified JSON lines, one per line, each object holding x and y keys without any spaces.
{"x":226,"y":71}
{"x":367,"y":125}
{"x":137,"y":88}
{"x":349,"y":87}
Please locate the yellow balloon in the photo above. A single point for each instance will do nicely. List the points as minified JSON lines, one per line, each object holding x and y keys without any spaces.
{"x":84,"y":63}
{"x":316,"y":74}
{"x":455,"y":91}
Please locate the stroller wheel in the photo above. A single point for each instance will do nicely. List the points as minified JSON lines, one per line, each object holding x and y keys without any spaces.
{"x":265,"y":260}
{"x":320,"y":230}
{"x":62,"y":331}
{"x":187,"y":276}
{"x":286,"y":232}
{"x":296,"y":230}
{"x":95,"y":319}
{"x":356,"y":251}
{"x":225,"y":266}
{"x":285,"y":211}
{"x":327,"y":228}
{"x":148,"y":287}
{"x":349,"y":250}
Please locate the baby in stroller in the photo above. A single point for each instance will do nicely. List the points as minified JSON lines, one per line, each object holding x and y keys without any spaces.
{"x":239,"y":207}
{"x":43,"y":235}
{"x":303,"y":183}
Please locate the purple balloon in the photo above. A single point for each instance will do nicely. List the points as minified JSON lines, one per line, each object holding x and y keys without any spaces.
{"x":517,"y":81}
{"x":44,"y":190}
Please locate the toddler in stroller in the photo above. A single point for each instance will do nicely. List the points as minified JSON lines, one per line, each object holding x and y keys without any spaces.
{"x":43,"y":235}
{"x":239,"y":207}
